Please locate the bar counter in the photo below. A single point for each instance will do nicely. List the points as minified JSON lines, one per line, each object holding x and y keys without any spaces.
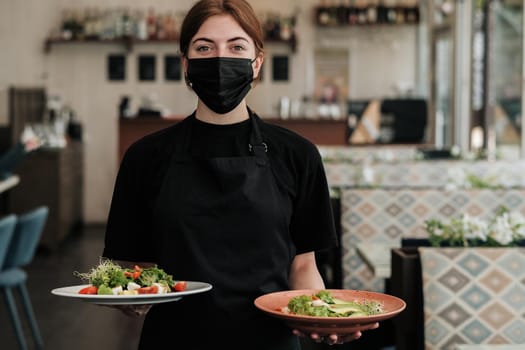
{"x":318,"y":131}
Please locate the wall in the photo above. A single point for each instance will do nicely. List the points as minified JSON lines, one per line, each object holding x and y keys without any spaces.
{"x":379,"y":59}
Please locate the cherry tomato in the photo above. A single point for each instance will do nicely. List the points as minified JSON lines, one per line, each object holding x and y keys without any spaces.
{"x":135,"y":273}
{"x":148,"y":290}
{"x":180,"y":286}
{"x":88,"y":290}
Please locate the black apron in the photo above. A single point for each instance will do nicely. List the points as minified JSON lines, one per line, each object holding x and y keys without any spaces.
{"x":223,"y":221}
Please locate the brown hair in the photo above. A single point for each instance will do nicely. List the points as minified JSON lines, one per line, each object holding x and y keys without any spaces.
{"x":240,"y":10}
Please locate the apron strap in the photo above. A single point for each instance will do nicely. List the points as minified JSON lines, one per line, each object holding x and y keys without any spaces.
{"x":256,"y":145}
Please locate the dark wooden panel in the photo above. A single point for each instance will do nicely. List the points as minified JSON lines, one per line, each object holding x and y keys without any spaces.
{"x":320,"y":132}
{"x":52,"y":177}
{"x":26,"y":105}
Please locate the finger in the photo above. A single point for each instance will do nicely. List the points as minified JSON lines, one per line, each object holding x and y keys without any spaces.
{"x":316,"y":338}
{"x":332,"y":339}
{"x":298,"y":333}
{"x":341,"y":339}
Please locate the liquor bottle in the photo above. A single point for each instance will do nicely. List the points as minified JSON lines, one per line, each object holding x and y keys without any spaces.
{"x":161,"y":30}
{"x":352,"y":13}
{"x":97,"y":25}
{"x":362,"y":9}
{"x":78,"y":24}
{"x":411,"y":11}
{"x":127,"y":24}
{"x":323,"y":14}
{"x":343,"y":12}
{"x":286,"y":29}
{"x":169,"y":25}
{"x":382,"y":16}
{"x":391,"y":11}
{"x":151,"y":21}
{"x":400,"y":12}
{"x":88,"y":23}
{"x":332,"y":11}
{"x":141,"y":26}
{"x":66,"y":28}
{"x":371,"y":12}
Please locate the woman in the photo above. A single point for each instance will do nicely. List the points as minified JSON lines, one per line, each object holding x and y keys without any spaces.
{"x":223,"y":197}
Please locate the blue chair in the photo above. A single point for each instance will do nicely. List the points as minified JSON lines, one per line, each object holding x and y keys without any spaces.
{"x":21,"y":250}
{"x":7,"y":228}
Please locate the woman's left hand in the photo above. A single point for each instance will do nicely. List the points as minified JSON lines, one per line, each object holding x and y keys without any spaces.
{"x":333,"y":339}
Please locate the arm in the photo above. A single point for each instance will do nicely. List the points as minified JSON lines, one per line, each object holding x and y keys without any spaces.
{"x":304,"y":274}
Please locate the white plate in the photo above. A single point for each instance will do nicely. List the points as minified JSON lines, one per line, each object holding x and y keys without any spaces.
{"x":72,"y":292}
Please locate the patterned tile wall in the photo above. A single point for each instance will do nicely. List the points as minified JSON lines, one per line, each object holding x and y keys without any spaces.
{"x":354,"y":154}
{"x":422,"y":174}
{"x":473,"y":296}
{"x":387,"y":215}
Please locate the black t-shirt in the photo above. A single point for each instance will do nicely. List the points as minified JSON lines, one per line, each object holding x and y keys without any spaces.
{"x":295,"y":162}
{"x":298,"y":170}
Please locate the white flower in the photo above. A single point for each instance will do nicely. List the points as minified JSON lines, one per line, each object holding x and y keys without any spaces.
{"x":503,"y":230}
{"x":438,"y":232}
{"x":474,"y":228}
{"x":517,"y":219}
{"x":520,"y":232}
{"x":368,"y":175}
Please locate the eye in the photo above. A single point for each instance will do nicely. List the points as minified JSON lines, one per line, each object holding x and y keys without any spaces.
{"x":239,"y":48}
{"x":202,"y":48}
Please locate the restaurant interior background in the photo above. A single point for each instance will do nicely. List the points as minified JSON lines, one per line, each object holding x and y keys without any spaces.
{"x":378,"y":89}
{"x":379,"y":61}
{"x":462,"y":59}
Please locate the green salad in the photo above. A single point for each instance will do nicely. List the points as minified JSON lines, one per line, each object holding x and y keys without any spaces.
{"x":109,"y":277}
{"x":324,"y":304}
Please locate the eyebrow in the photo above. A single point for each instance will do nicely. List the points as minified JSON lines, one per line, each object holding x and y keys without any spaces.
{"x":229,"y":40}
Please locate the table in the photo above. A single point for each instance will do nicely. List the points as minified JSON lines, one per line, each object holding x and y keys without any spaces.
{"x":377,"y":256}
{"x":5,"y":185}
{"x":9,"y":182}
{"x":491,"y":347}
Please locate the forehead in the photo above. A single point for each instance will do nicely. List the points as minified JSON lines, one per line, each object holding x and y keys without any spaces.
{"x":221,"y":27}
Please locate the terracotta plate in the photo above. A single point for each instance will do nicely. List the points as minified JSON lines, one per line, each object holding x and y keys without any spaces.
{"x":272,"y":303}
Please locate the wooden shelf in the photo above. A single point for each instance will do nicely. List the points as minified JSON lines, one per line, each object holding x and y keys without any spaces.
{"x":336,"y":17}
{"x":129,"y":43}
{"x":292,"y":42}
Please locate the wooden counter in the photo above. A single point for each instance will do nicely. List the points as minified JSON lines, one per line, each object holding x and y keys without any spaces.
{"x":320,"y":132}
{"x":52,"y":177}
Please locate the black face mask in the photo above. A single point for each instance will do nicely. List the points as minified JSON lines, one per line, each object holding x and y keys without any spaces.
{"x":220,"y":82}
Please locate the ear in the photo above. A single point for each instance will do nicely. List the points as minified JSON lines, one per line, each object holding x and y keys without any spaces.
{"x":257,"y":65}
{"x":184,"y":61}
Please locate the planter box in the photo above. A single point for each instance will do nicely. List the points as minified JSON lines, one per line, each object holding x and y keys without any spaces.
{"x":406,"y":284}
